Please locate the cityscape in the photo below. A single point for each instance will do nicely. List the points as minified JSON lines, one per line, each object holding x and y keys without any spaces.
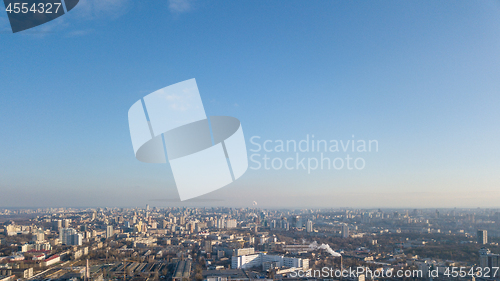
{"x":195,"y":140}
{"x":216,"y":244}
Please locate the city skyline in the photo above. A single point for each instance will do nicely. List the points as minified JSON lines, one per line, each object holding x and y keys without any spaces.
{"x":250,"y":243}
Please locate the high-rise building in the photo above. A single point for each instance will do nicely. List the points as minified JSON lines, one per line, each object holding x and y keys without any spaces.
{"x":69,"y":236}
{"x":345,"y":231}
{"x":221,"y":223}
{"x":309,"y":226}
{"x":66,"y":223}
{"x":231,"y":223}
{"x":56,"y":225}
{"x":164,"y":224}
{"x":109,"y":231}
{"x":487,"y":259}
{"x":65,"y":235}
{"x":298,"y":222}
{"x":77,"y":239}
{"x":208,"y":246}
{"x":191,"y":226}
{"x":273,"y":225}
{"x":482,"y":237}
{"x":138,"y":227}
{"x":38,"y":236}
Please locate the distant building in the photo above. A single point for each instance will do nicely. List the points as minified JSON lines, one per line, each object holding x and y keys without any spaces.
{"x":23,"y":273}
{"x":208,"y":246}
{"x":284,"y":224}
{"x":487,"y":259}
{"x":16,"y":257}
{"x":482,"y":237}
{"x":38,"y":236}
{"x":144,"y":242}
{"x":272,"y":224}
{"x":243,"y":251}
{"x":297,"y":249}
{"x":298,"y":222}
{"x":309,"y":226}
{"x":56,"y":225}
{"x":38,"y":257}
{"x":109,"y":231}
{"x":182,"y":271}
{"x":77,"y":254}
{"x":264,"y":260}
{"x":52,"y":260}
{"x":139,"y":227}
{"x":231,"y":223}
{"x":221,"y":223}
{"x":37,"y":247}
{"x":345,"y":231}
{"x":24,"y":248}
{"x":69,"y":236}
{"x":225,"y":275}
{"x":66,"y":223}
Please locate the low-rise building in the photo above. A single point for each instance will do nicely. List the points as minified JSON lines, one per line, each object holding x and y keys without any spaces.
{"x":23,"y":273}
{"x":264,"y":260}
{"x":52,"y":260}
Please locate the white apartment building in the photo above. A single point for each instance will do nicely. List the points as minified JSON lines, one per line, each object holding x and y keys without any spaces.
{"x":490,"y":260}
{"x":309,"y":226}
{"x":261,"y":259}
{"x":231,"y":223}
{"x":69,"y":236}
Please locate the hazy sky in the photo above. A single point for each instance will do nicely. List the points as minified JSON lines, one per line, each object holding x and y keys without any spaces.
{"x":420,"y":77}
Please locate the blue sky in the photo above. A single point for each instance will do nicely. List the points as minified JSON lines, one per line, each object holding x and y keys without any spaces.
{"x":421,"y":77}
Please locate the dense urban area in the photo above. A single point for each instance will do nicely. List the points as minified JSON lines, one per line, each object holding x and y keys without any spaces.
{"x":221,"y":244}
